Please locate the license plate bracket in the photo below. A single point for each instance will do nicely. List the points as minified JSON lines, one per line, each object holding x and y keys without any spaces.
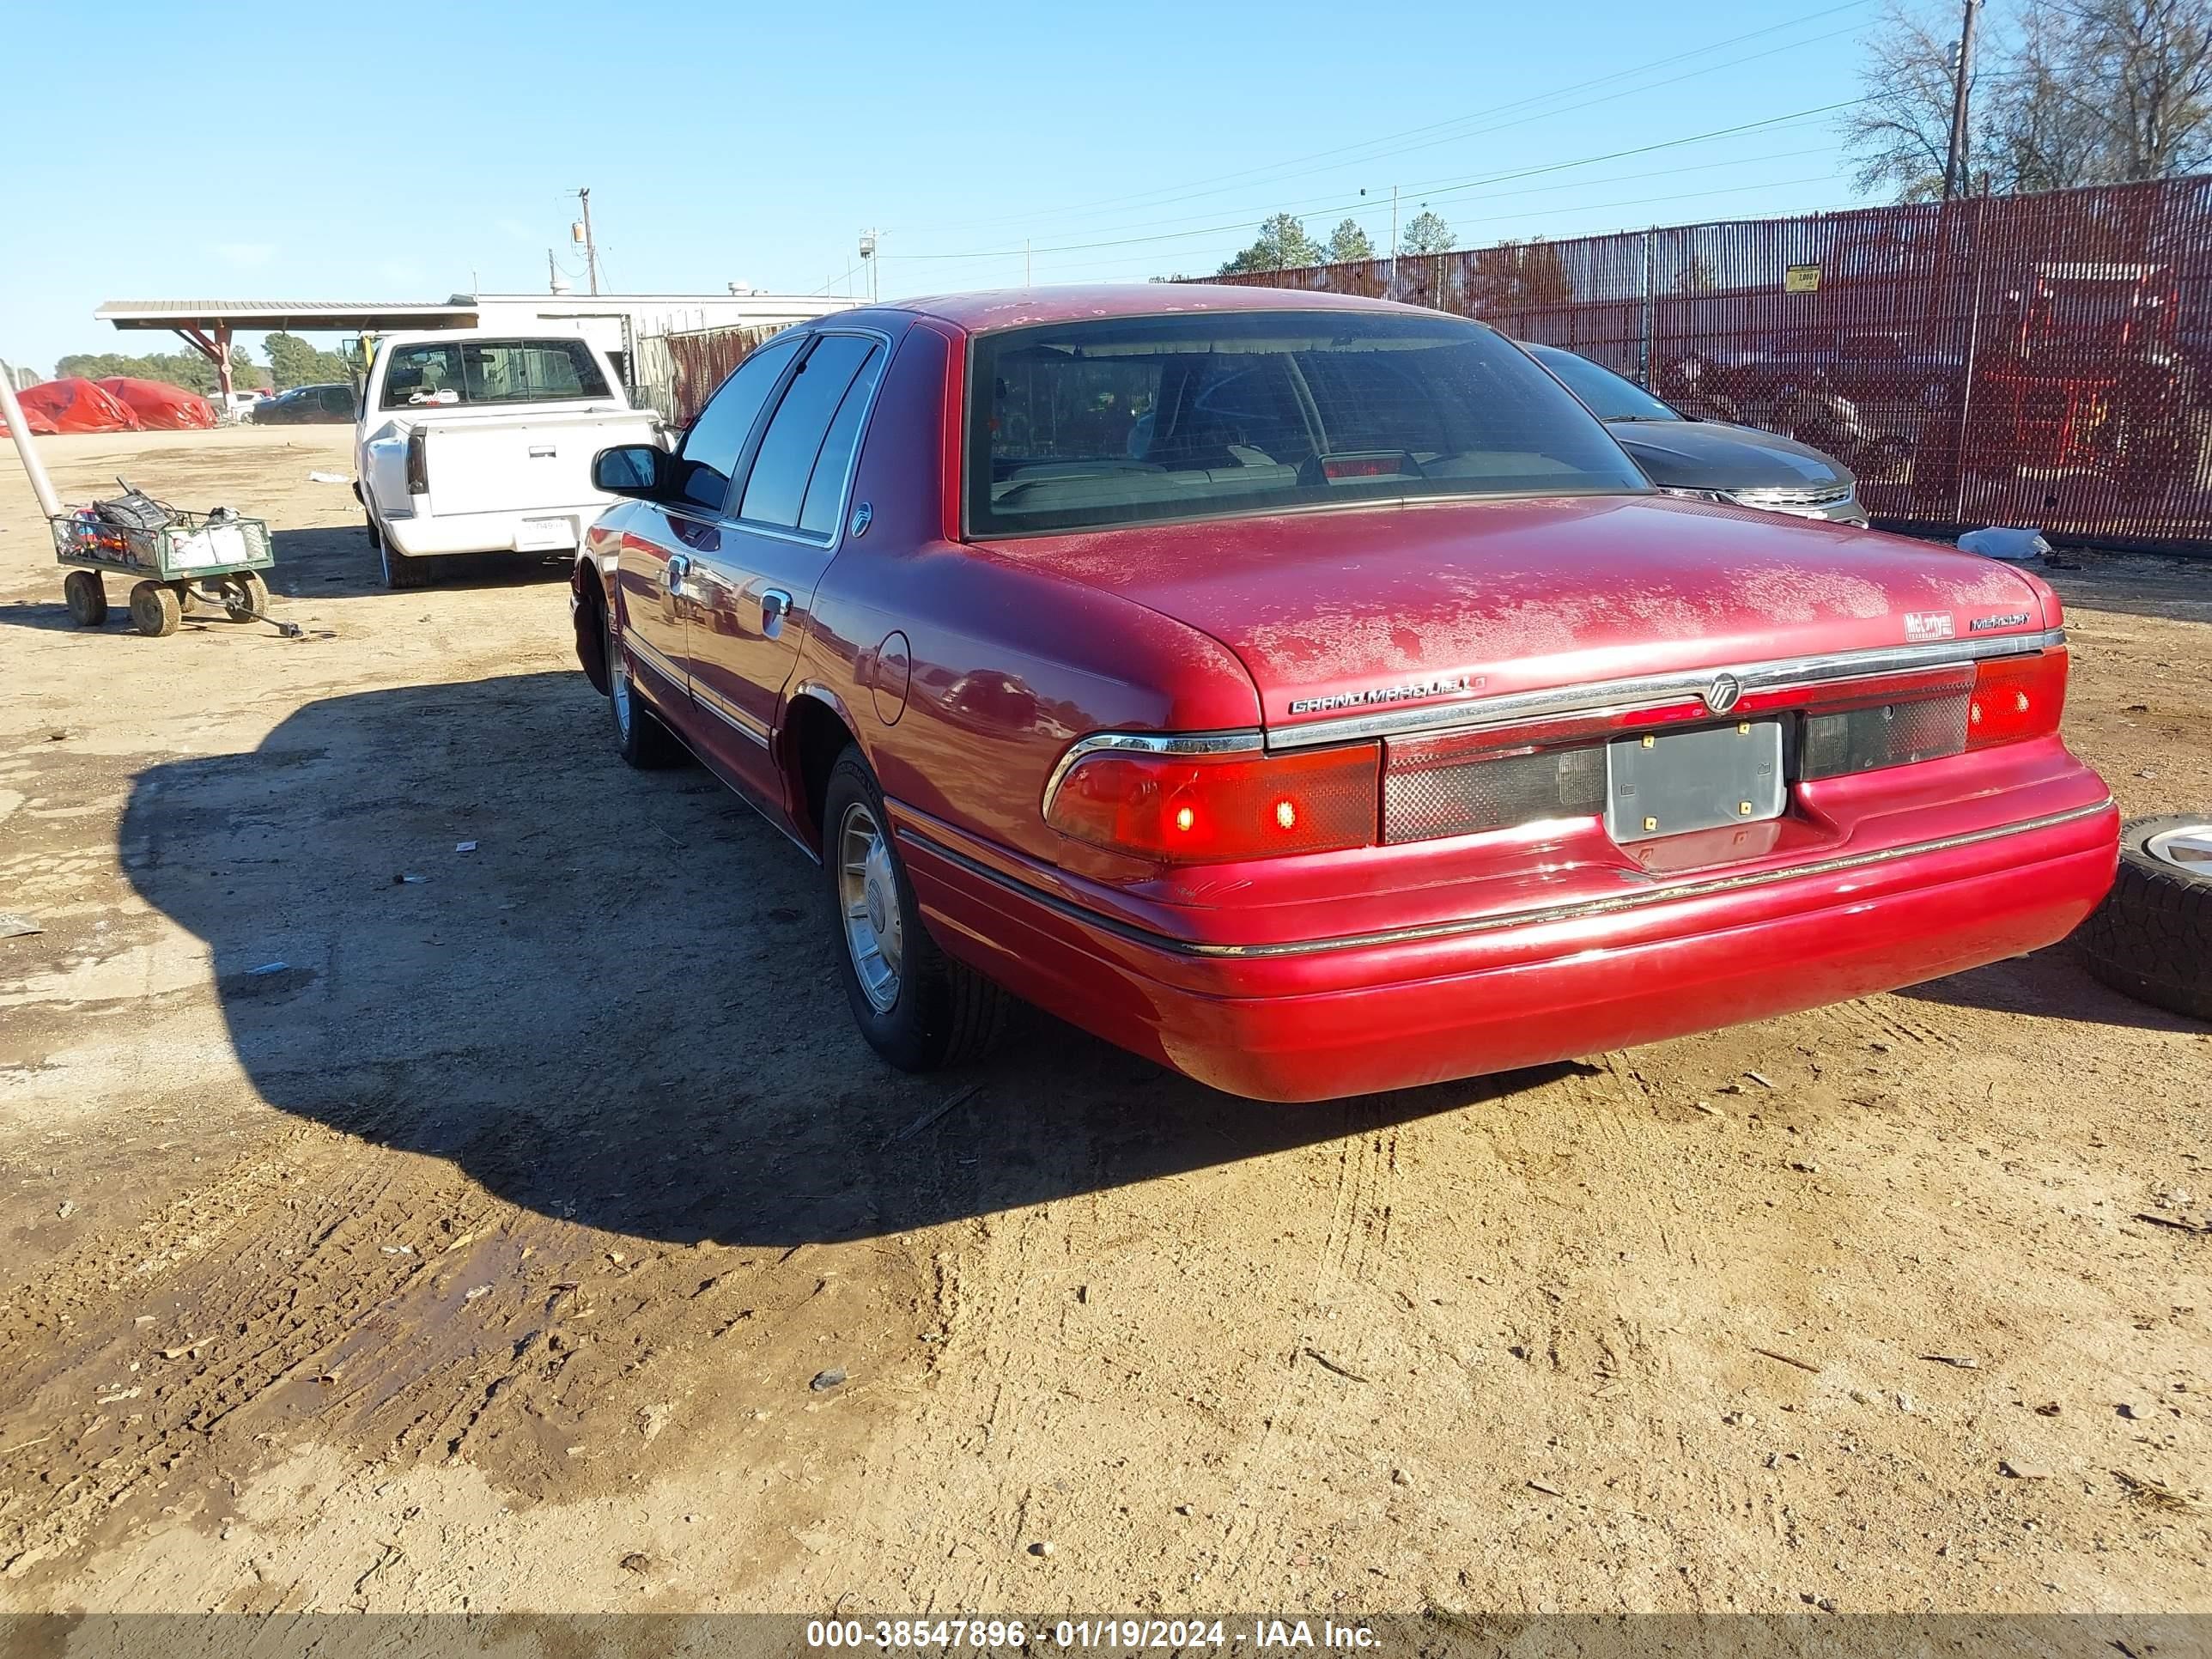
{"x":1670,"y":783}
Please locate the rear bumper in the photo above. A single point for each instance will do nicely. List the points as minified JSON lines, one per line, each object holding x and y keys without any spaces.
{"x":551,"y":531}
{"x":1325,"y":1018}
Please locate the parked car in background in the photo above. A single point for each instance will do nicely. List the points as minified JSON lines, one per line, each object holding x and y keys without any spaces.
{"x":319,"y":405}
{"x":1309,"y":694}
{"x":1709,"y":460}
{"x":240,"y":405}
{"x":480,"y":442}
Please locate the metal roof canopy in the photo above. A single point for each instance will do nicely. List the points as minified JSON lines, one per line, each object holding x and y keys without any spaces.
{"x":206,"y":325}
{"x":351,"y":316}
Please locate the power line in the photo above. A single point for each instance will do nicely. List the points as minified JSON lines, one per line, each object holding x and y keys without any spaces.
{"x":1445,"y":190}
{"x":1319,"y":207}
{"x":1347,"y":150}
{"x":1591,"y":207}
{"x":1577,"y":184}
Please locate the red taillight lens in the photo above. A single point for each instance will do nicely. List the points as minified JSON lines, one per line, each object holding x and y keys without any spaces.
{"x":2017,"y":697}
{"x":1204,"y":809}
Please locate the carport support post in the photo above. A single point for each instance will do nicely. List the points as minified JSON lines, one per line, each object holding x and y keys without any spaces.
{"x":20,"y":429}
{"x":216,"y":351}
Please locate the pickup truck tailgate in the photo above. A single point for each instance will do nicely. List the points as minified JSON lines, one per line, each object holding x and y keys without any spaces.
{"x":499,"y":467}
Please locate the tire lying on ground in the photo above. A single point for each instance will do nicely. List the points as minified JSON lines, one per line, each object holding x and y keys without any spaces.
{"x":2152,"y":937}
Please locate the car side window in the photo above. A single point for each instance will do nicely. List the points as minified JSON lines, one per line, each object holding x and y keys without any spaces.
{"x":709,"y":454}
{"x":825,"y":490}
{"x":825,"y":400}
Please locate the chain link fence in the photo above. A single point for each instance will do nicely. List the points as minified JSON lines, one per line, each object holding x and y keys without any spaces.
{"x":2034,"y":360}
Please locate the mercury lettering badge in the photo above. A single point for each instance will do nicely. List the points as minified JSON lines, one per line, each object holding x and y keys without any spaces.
{"x":1448,"y":685}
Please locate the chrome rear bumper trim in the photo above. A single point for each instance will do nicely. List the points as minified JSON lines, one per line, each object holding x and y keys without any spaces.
{"x":1608,"y":695}
{"x":1658,"y":893}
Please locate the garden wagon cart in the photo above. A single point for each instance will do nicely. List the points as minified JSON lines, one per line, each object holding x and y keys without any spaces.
{"x":174,"y":558}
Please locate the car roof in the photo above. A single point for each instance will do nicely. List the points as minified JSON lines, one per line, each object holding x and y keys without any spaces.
{"x":1015,"y":307}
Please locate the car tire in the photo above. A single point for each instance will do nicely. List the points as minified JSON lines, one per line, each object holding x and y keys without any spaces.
{"x":641,"y":738}
{"x":87,"y":598}
{"x":2152,"y":937}
{"x":918,"y":1008}
{"x":155,"y":610}
{"x":398,"y":570}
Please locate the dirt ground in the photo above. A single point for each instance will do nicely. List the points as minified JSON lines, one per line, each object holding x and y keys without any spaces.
{"x":474,"y":1241}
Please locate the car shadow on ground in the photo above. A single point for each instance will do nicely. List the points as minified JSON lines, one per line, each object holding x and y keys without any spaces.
{"x":618,"y":1005}
{"x":337,"y":560}
{"x":2047,"y":984}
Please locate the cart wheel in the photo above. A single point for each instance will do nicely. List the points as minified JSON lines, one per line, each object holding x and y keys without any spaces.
{"x":87,"y":598}
{"x":155,"y":609}
{"x":246,"y":588}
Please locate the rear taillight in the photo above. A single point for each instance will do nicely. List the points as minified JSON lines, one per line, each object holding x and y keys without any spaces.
{"x":2017,"y":697}
{"x":1206,"y":809}
{"x":418,"y":465}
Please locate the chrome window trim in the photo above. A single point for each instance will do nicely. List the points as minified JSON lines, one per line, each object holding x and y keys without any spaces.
{"x":1658,"y":893}
{"x":836,"y":538}
{"x":1246,"y":742}
{"x":1607,"y":696}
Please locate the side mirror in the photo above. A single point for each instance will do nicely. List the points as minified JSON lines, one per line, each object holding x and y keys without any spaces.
{"x":637,"y":470}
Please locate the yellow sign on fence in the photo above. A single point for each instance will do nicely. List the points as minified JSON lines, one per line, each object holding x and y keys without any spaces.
{"x":1801,"y":279}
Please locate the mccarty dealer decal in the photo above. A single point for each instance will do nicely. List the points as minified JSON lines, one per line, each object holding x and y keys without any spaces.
{"x":1448,"y":685}
{"x":1929,"y":625}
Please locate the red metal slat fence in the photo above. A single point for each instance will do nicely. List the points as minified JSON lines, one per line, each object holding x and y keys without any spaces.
{"x":700,"y":359}
{"x":2033,"y":359}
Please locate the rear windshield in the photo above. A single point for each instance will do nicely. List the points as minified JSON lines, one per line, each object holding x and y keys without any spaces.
{"x":1077,"y":426}
{"x":1609,"y":396}
{"x":448,"y":372}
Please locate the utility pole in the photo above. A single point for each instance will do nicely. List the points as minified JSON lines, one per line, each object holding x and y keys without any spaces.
{"x":1025,"y":263}
{"x":583,"y":233}
{"x":1394,"y":242}
{"x":1954,"y":166}
{"x":868,"y":240}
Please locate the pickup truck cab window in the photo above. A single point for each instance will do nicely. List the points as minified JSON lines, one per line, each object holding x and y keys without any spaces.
{"x":449,"y":372}
{"x":826,"y":399}
{"x":709,"y":451}
{"x":1086,"y":424}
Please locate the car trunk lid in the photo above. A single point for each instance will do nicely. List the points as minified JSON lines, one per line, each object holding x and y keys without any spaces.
{"x":1426,"y":604}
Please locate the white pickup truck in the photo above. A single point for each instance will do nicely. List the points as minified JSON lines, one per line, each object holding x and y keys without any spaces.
{"x":475,"y":441}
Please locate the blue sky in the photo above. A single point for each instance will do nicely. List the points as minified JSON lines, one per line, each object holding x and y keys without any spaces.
{"x":411,"y":152}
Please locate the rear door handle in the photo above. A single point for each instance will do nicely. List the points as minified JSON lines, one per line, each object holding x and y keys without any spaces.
{"x":775,"y":606}
{"x":541,"y":451}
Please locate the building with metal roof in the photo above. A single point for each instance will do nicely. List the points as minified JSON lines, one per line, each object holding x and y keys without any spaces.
{"x":613,"y":322}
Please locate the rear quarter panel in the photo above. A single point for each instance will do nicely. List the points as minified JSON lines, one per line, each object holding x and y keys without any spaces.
{"x":994,"y":670}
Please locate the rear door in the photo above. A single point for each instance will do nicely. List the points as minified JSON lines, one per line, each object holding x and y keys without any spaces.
{"x":652,"y":575}
{"x":787,"y":516}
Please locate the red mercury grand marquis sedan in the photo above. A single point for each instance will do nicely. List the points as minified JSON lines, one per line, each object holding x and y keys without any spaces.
{"x":1309,"y":694}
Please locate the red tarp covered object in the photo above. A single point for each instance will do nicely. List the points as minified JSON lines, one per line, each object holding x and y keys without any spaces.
{"x":160,"y":406}
{"x":73,"y":405}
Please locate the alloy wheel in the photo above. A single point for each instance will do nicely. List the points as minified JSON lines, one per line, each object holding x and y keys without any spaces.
{"x":868,"y":898}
